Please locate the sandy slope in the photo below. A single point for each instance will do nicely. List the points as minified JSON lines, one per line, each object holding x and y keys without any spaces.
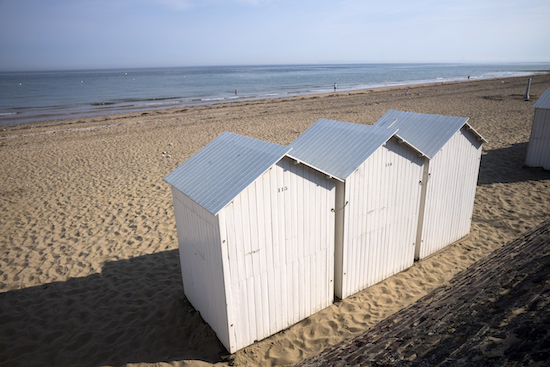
{"x":89,"y":269}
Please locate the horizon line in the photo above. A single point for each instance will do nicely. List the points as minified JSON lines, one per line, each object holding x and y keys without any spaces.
{"x":282,"y":64}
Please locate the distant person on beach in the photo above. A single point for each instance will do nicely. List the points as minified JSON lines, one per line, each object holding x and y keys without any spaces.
{"x":406,"y":92}
{"x":235,"y":92}
{"x":335,"y":85}
{"x":468,"y":77}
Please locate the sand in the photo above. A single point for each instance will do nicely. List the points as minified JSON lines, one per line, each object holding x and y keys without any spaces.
{"x":89,"y":267}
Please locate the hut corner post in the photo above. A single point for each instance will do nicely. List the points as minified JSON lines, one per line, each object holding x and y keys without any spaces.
{"x":339,"y":238}
{"x":526,"y":96}
{"x":424,"y":183}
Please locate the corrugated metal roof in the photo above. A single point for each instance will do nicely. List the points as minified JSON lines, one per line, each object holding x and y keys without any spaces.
{"x":427,"y":133}
{"x":217,"y":173}
{"x":338,"y":148}
{"x":543,"y":101}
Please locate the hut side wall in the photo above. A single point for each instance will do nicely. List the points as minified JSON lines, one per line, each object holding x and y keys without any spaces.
{"x":450,"y":194}
{"x":381,"y":217}
{"x":538,"y":150}
{"x":279,"y":235}
{"x":201,"y":262}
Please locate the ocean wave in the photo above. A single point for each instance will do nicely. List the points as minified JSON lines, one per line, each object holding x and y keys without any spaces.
{"x":166,"y":103}
{"x":162,"y":98}
{"x":140,"y":101}
{"x":275,"y":94}
{"x":8,"y":113}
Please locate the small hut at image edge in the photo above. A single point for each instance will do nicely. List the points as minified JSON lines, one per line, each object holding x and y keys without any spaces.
{"x":452,"y":153}
{"x":255,"y":233}
{"x":377,"y":198}
{"x":538,"y":150}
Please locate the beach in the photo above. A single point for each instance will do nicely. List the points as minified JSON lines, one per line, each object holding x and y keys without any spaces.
{"x":90,"y":274}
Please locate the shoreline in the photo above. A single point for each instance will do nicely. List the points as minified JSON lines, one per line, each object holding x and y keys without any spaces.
{"x":90,"y":270}
{"x":171,"y":110}
{"x":231,"y":100}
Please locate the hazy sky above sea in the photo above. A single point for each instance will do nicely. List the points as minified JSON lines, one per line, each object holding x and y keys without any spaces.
{"x":76,"y":34}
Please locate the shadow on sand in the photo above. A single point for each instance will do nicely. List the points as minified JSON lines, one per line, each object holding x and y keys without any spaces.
{"x":507,"y":165}
{"x":134,"y":311}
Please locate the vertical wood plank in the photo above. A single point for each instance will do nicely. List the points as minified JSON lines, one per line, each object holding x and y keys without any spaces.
{"x":263,"y":225}
{"x":252,"y":311}
{"x":273,"y":297}
{"x":266,"y":321}
{"x":256,"y":244}
{"x":258,"y":306}
{"x":281,"y":210}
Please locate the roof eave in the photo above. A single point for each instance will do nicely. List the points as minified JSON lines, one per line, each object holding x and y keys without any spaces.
{"x":404,"y":141}
{"x":478,"y":135}
{"x":315,"y":168}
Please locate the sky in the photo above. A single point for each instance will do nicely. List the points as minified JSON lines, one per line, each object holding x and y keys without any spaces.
{"x":98,"y":34}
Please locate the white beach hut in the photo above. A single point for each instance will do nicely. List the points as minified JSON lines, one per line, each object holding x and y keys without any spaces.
{"x":377,"y":198}
{"x":452,"y":150}
{"x":538,"y":150}
{"x":255,"y":234}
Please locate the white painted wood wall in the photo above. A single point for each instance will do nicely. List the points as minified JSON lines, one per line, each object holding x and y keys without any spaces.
{"x":266,"y":261}
{"x":379,"y":220}
{"x":450,"y":193}
{"x":201,"y":262}
{"x":538,"y":150}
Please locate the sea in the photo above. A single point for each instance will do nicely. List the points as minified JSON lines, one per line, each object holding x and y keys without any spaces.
{"x":54,"y":95}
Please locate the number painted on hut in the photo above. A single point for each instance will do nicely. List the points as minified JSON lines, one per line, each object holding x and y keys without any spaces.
{"x":389,"y":164}
{"x":282,"y":189}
